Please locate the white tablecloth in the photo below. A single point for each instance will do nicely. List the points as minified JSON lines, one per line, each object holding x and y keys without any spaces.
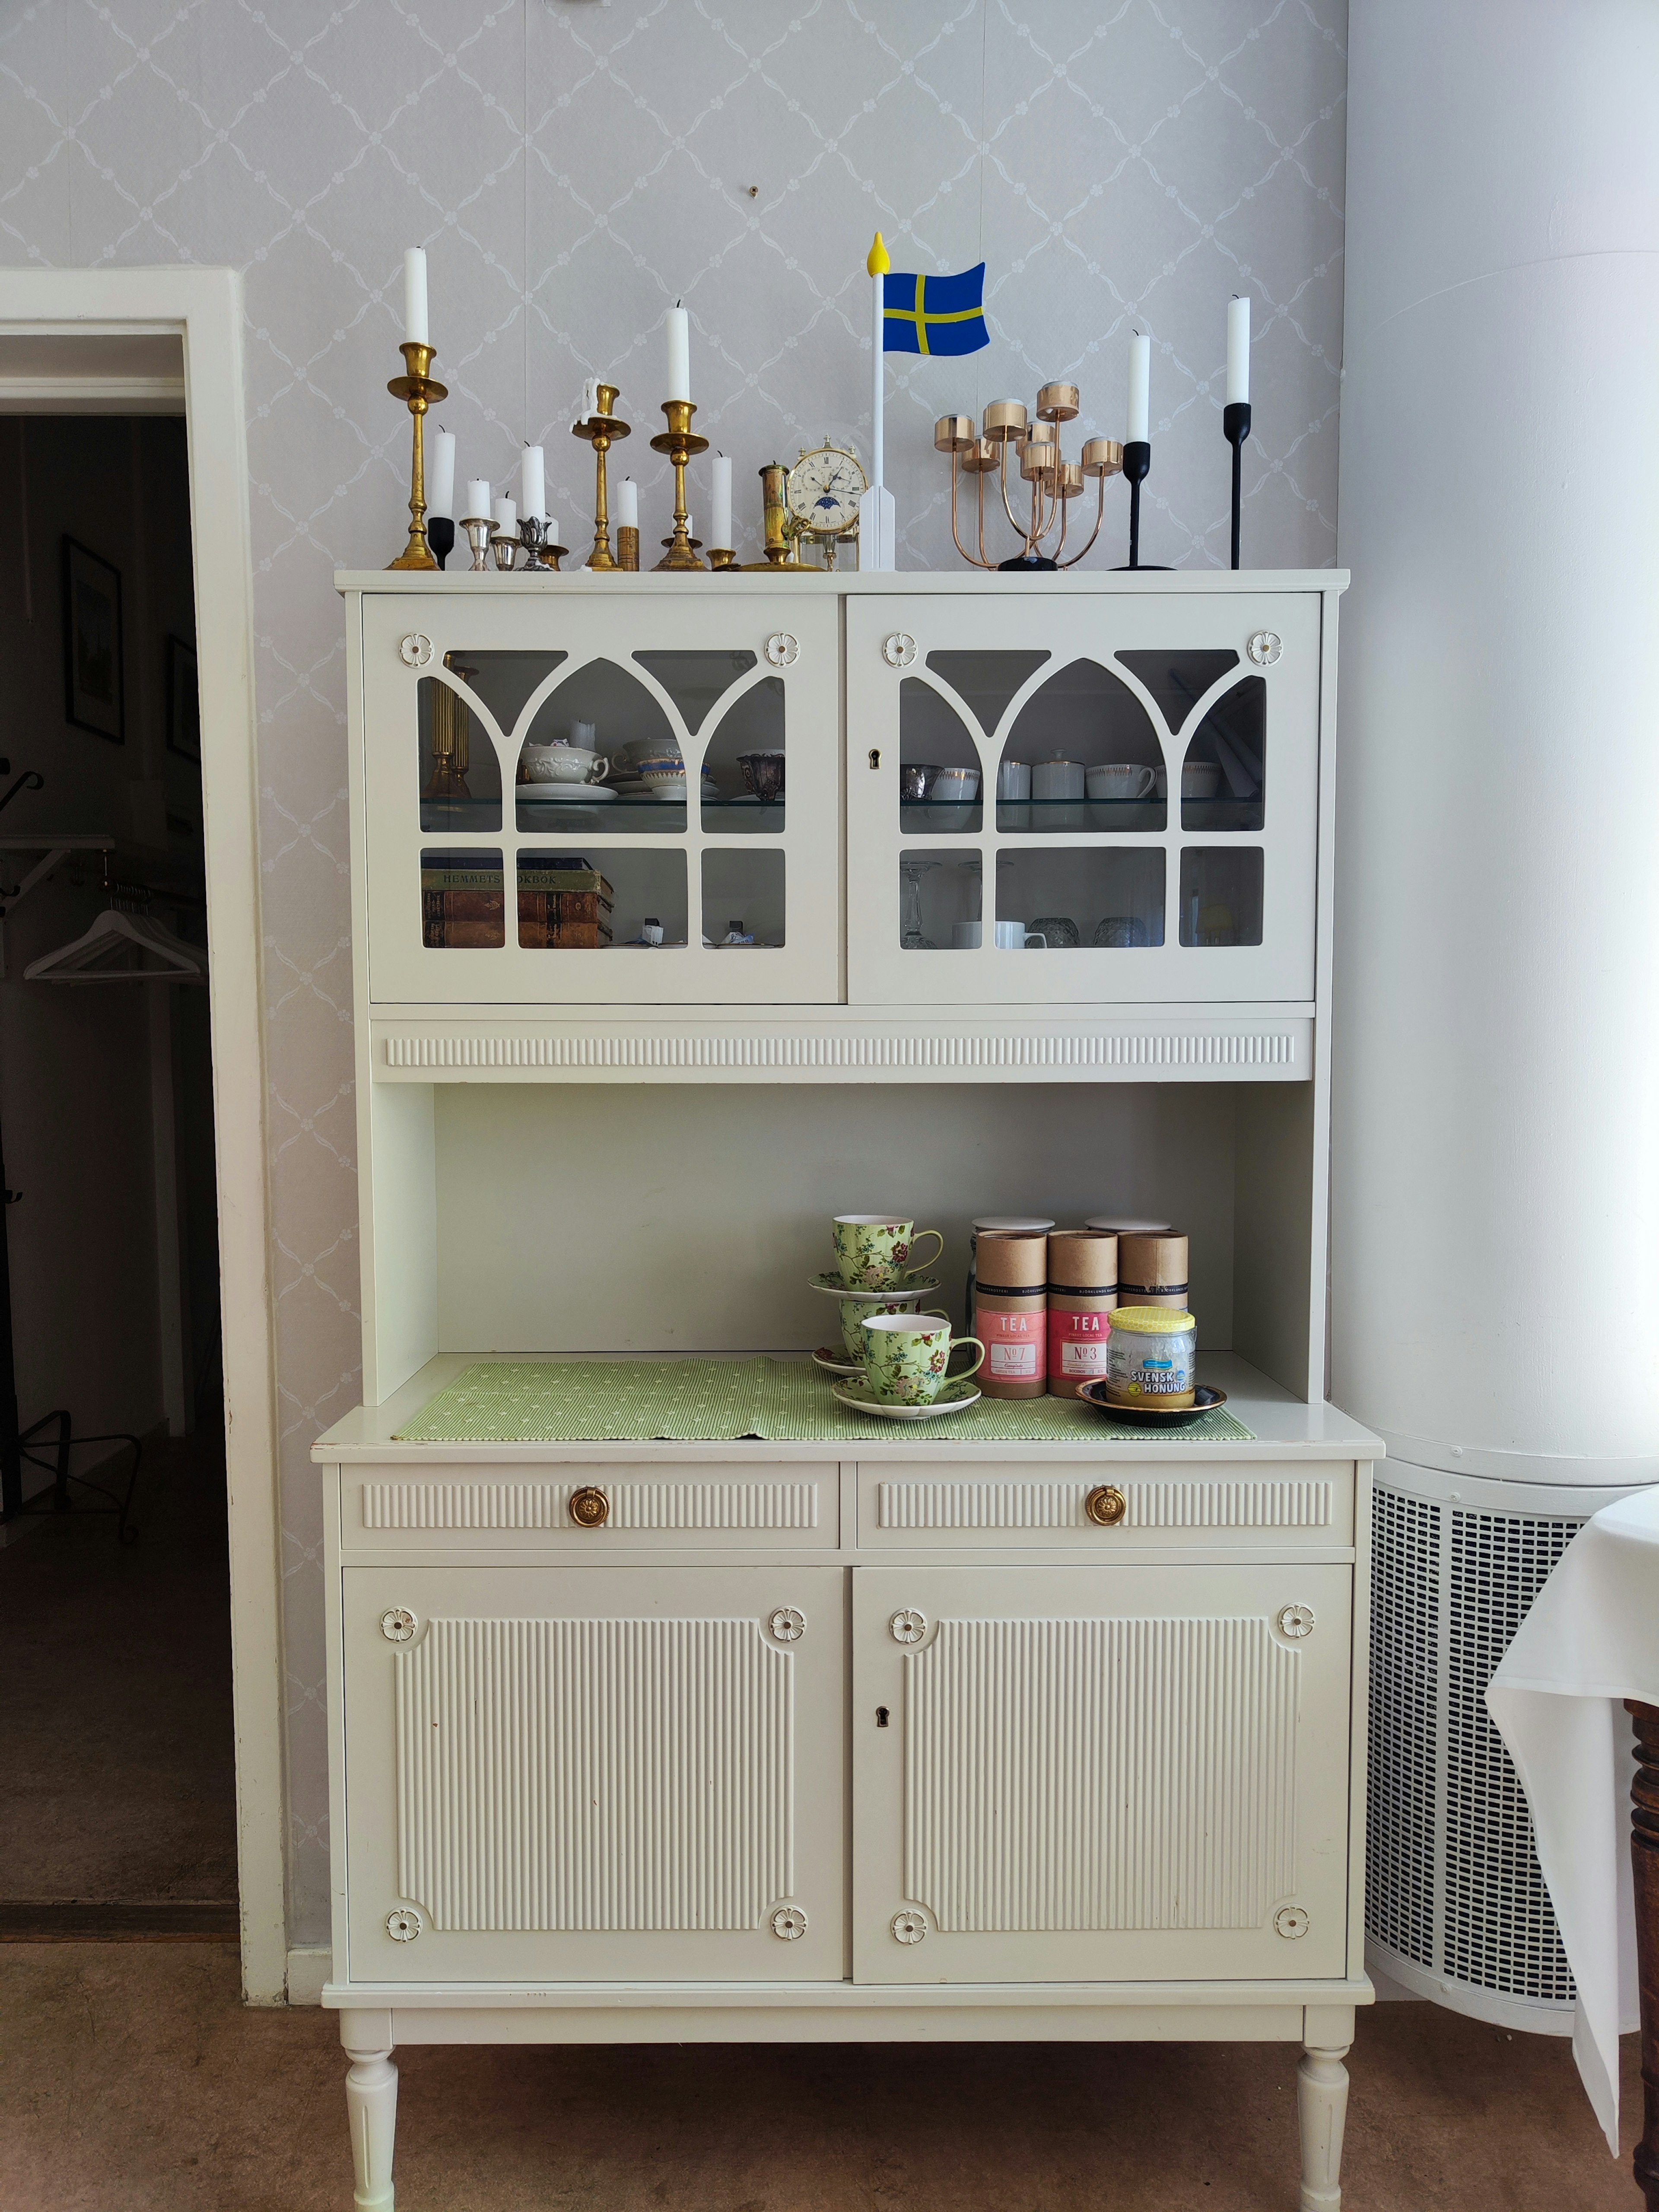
{"x":1557,"y":1699}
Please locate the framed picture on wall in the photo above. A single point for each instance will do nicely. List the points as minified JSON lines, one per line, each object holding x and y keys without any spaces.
{"x":94,"y":690}
{"x":183,"y":702}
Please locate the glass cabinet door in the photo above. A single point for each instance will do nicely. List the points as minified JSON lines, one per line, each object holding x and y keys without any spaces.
{"x":651,"y":776}
{"x":1121,"y":788}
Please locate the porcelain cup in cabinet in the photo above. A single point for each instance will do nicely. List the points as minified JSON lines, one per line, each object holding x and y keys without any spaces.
{"x":874,"y":1252}
{"x":854,"y":1312}
{"x":1014,"y":936}
{"x":1200,"y":779}
{"x":1057,"y":779}
{"x":560,"y":763}
{"x":1120,"y":779}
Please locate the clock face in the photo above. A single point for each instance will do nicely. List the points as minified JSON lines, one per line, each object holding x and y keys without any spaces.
{"x":825,"y":487}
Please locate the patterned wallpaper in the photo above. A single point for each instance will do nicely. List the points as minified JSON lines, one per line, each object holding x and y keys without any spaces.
{"x":572,"y":166}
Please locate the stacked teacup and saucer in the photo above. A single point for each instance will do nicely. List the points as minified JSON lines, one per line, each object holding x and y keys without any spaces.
{"x":895,"y":1353}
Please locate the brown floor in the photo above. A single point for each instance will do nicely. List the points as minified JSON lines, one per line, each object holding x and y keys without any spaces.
{"x":117,"y":1775}
{"x":133,"y":2082}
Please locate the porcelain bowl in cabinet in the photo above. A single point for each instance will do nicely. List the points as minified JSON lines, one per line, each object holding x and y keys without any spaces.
{"x":563,"y":764}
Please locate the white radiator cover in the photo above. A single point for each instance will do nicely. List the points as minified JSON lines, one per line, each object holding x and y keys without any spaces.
{"x":1455,"y":1906}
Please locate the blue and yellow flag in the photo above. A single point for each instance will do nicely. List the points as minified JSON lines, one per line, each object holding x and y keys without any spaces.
{"x":935,"y":314}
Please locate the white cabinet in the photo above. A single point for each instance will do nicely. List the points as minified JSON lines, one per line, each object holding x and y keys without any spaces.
{"x":1189,"y":874}
{"x":1099,"y":1773}
{"x":465,"y":862}
{"x":602,"y":1772}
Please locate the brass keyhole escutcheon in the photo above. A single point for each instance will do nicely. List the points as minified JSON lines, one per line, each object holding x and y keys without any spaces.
{"x":589,"y":1508}
{"x":1106,"y":1505}
{"x":875,"y":755}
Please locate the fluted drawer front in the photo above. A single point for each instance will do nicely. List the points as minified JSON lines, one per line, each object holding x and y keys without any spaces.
{"x":1030,"y":1505}
{"x":438,"y":1511}
{"x":603,"y":1771}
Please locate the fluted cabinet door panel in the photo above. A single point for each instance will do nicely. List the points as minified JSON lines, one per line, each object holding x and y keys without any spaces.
{"x":574,"y":1773}
{"x":1101,"y":1774}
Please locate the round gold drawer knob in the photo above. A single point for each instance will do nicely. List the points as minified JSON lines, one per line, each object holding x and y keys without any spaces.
{"x":1106,"y":1505}
{"x":589,"y":1508}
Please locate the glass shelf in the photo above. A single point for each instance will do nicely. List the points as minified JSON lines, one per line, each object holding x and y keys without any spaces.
{"x":918,"y":816}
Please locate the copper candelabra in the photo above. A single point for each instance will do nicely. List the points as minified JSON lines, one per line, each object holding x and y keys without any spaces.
{"x":1032,"y":441}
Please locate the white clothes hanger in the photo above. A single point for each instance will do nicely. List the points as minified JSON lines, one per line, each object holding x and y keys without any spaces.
{"x":122,"y":948}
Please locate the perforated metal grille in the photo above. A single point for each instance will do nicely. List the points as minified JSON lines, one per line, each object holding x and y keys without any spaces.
{"x":1401,"y":1788}
{"x":1500,"y":1931}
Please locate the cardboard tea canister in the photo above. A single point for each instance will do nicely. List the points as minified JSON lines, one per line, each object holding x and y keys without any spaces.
{"x":1151,"y":1269}
{"x":1081,"y":1295}
{"x":1007,"y":1225}
{"x":1011,"y":1313}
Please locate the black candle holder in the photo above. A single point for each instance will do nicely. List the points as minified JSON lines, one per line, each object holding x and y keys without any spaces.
{"x":1137,"y":466}
{"x":440,"y":536}
{"x":1235,"y":426}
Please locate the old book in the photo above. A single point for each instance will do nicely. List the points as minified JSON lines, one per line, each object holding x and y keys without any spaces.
{"x":563,"y":936}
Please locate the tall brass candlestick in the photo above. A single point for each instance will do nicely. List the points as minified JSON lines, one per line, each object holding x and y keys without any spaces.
{"x":602,"y":431}
{"x":681,"y":443}
{"x":419,"y":390}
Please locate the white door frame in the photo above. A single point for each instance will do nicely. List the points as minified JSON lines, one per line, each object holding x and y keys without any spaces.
{"x":204,"y":306}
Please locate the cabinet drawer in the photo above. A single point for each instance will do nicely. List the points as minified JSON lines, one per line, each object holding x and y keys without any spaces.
{"x":640,"y":1507}
{"x":1030,"y":1505}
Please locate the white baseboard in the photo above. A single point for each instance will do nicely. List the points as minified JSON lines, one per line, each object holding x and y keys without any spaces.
{"x":308,"y":1968}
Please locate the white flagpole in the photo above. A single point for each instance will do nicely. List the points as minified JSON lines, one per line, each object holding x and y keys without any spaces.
{"x":877,"y":520}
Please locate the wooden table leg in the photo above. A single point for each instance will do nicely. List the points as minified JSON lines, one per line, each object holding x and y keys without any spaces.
{"x":1321,"y":2100}
{"x":1644,"y":1863}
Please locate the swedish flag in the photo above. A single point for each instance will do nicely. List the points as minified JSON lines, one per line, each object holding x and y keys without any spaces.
{"x":935,"y":314}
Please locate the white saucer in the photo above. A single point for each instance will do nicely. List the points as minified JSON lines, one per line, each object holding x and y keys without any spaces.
{"x":832,"y":1286}
{"x":563,"y":795}
{"x":836,"y":1362}
{"x":950,"y":1399}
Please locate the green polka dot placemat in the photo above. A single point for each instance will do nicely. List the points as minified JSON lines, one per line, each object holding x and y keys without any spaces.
{"x":546,"y":1401}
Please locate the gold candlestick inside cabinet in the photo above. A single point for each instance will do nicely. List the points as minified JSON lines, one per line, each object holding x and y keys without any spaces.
{"x":419,"y":390}
{"x":681,"y":443}
{"x":602,"y":431}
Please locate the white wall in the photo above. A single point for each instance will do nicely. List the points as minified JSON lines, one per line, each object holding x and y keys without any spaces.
{"x":571,"y":168}
{"x":75,"y":1064}
{"x":1495,"y":1205}
{"x":629,"y":1218}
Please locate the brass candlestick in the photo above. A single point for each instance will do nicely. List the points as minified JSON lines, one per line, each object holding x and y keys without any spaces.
{"x":602,"y":431}
{"x":781,"y":548}
{"x":419,"y":390}
{"x":681,"y":443}
{"x":627,"y":546}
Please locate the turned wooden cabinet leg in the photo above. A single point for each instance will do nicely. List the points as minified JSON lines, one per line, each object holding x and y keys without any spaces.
{"x":371,"y":2104}
{"x":1322,"y":2107}
{"x":1644,"y":1866}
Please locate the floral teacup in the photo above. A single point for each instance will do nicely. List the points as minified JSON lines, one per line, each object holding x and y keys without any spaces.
{"x":907,"y":1356}
{"x":875,"y":1253}
{"x":854,"y":1312}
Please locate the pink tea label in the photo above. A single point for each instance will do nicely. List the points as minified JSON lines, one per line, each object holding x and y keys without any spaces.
{"x":1077,"y":1342}
{"x":1015,"y":1344}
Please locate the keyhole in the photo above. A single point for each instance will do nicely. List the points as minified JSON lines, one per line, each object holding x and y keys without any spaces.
{"x":881,"y":1716}
{"x":875,"y":755}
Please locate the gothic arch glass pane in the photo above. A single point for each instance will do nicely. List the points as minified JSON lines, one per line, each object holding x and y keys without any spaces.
{"x":986,"y":681}
{"x":937,"y":769}
{"x":460,"y":778}
{"x":637,"y":772}
{"x":1224,"y":778}
{"x":1178,"y":680}
{"x":695,"y":681}
{"x":743,"y":788}
{"x":504,"y":681}
{"x":1083,"y":754}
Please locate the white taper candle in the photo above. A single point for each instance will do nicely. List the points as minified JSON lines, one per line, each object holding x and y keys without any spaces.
{"x":415,"y":323}
{"x":1140,"y":390}
{"x":440,"y":476}
{"x":533,"y":482}
{"x":679,"y":354}
{"x":628,"y":504}
{"x":1238,"y":352}
{"x":722,"y":536}
{"x":477,"y":499}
